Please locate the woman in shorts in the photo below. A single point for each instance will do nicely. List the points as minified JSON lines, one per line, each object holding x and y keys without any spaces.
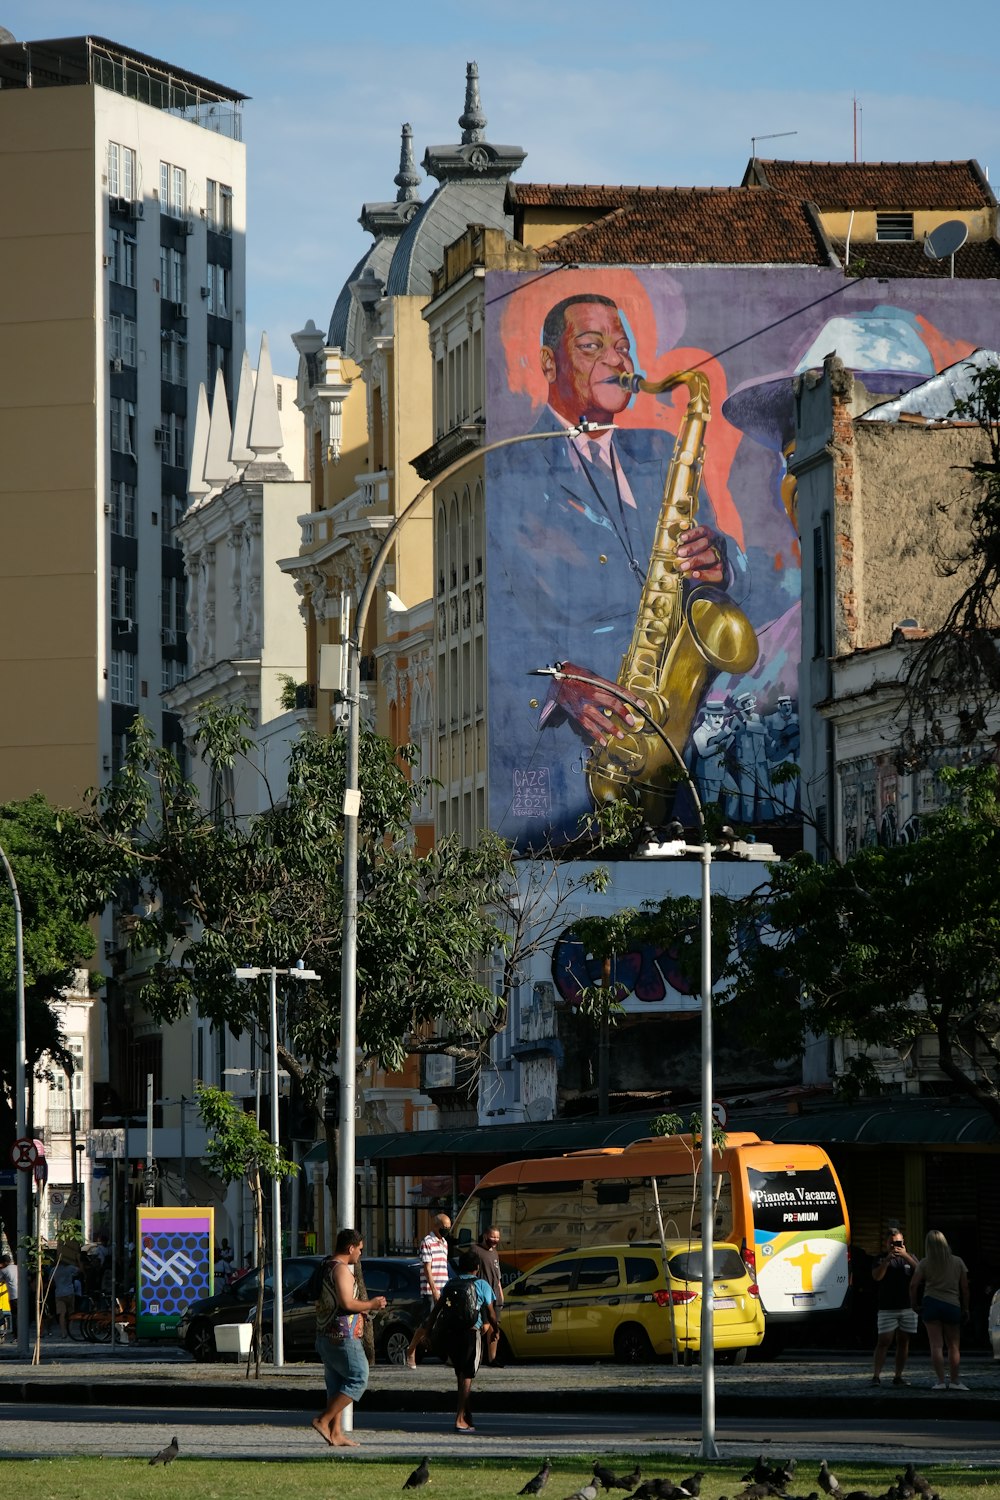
{"x":944,"y":1280}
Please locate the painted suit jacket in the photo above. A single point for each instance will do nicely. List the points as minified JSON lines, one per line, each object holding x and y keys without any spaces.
{"x":565,"y":573}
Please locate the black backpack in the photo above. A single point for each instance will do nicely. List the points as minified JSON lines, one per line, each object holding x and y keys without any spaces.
{"x":457,"y":1312}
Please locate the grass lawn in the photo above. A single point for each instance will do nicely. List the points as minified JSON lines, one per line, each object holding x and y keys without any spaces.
{"x":352,"y":1478}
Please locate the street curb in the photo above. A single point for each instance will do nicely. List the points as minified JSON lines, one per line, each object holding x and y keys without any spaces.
{"x":248,"y":1396}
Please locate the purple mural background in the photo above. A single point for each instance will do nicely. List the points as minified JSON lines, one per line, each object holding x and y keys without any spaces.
{"x":562,"y":583}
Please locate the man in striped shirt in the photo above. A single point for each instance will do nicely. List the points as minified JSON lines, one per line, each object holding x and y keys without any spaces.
{"x":434,"y":1276}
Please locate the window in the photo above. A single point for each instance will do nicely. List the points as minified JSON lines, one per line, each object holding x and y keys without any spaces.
{"x":598,"y":1271}
{"x":172,"y":511}
{"x":173,"y":444}
{"x":171,"y":673}
{"x":122,"y":426}
{"x":173,"y":357}
{"x":121,"y":677}
{"x":220,"y":291}
{"x":639,"y":1268}
{"x":119,"y":750}
{"x":555,"y":1278}
{"x":894,"y":226}
{"x":122,"y":593}
{"x":173,"y":275}
{"x":122,"y":257}
{"x":121,"y":171}
{"x":173,"y":605}
{"x":122,"y":339}
{"x":821,"y":590}
{"x":219,"y":358}
{"x":173,"y":190}
{"x":122,"y":508}
{"x":219,"y":207}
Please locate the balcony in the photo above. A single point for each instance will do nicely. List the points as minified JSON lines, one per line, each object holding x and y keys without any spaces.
{"x":62,"y":1120}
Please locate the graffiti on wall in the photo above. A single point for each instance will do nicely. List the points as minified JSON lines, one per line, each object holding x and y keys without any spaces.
{"x":655,"y":555}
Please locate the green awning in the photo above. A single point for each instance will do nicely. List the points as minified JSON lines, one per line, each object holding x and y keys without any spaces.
{"x":892,"y":1121}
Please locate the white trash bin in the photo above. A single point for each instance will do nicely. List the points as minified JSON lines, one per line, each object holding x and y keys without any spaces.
{"x":233,"y":1339}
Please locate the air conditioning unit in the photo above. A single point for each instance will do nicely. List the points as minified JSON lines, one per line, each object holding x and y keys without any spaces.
{"x":184,"y":309}
{"x":107,"y":260}
{"x":168,"y":637}
{"x":161,"y":436}
{"x":180,"y":309}
{"x":116,"y":366}
{"x":188,"y":227}
{"x":206,"y":292}
{"x":137,"y":210}
{"x":123,"y":626}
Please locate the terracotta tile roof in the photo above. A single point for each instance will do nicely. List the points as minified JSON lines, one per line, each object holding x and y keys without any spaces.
{"x":694,"y":226}
{"x":904,"y":185}
{"x":572,"y":194}
{"x":978,"y":260}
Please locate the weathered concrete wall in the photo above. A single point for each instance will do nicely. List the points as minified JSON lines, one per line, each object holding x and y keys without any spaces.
{"x":914,"y":492}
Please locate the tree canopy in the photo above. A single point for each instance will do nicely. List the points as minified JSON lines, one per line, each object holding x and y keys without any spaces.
{"x":55,"y":904}
{"x":216,"y":891}
{"x":54,"y":909}
{"x":894,"y":944}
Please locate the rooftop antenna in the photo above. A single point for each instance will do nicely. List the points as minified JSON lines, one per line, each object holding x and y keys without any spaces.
{"x":858,"y":137}
{"x":777,"y":136}
{"x":945,"y":240}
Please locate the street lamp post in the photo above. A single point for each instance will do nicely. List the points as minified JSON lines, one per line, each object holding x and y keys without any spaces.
{"x":352,"y":808}
{"x":705,"y":849}
{"x":20,"y":1115}
{"x":298,"y":972}
{"x":346,"y":1148}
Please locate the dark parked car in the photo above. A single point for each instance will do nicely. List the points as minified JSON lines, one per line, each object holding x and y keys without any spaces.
{"x":398,"y":1280}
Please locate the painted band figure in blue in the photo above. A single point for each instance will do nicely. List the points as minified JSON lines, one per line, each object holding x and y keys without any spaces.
{"x":567,"y":565}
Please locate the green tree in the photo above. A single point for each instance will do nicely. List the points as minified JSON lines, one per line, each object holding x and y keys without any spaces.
{"x":894,"y":944}
{"x":39,"y":841}
{"x":222,"y":891}
{"x":239,"y":1150}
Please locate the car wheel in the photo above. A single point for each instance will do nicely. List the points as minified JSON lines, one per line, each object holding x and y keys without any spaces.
{"x":201,"y":1343}
{"x":632,"y":1346}
{"x":731,"y":1356}
{"x":267,"y":1347}
{"x":395,"y":1344}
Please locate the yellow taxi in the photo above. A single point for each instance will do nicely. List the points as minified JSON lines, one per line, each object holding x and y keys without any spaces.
{"x":617,"y":1301}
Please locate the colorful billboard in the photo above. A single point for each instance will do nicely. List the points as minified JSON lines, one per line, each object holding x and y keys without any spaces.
{"x":175,"y":1266}
{"x":657,"y":557}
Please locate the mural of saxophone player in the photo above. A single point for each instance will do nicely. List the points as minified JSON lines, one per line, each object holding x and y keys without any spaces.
{"x":577,"y":543}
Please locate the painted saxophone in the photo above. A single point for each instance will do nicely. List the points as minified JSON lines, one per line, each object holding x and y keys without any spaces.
{"x":684,"y":634}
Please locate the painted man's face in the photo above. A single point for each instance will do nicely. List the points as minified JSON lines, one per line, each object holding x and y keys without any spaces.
{"x":594,"y":349}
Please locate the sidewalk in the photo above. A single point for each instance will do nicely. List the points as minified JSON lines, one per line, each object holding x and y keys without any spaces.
{"x":81,"y":1374}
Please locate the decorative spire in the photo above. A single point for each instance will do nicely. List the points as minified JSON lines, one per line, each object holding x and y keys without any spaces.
{"x":198,"y":486}
{"x":406,"y":179}
{"x":219,"y":471}
{"x":265,"y":423}
{"x":472,"y":120}
{"x":240,"y":451}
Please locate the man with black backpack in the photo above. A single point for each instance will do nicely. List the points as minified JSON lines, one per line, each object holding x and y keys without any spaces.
{"x":455,"y":1329}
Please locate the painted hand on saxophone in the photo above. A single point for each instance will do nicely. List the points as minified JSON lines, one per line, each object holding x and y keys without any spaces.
{"x":701,"y":555}
{"x":600,"y":713}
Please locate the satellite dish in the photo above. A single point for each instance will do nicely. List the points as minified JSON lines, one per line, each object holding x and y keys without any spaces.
{"x":6,"y":37}
{"x":946,"y":239}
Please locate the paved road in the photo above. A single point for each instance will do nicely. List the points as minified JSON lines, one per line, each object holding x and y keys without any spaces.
{"x":93,"y":1400}
{"x":44,"y":1430}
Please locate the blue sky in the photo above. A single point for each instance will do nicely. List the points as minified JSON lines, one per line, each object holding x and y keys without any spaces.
{"x":649,"y":91}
